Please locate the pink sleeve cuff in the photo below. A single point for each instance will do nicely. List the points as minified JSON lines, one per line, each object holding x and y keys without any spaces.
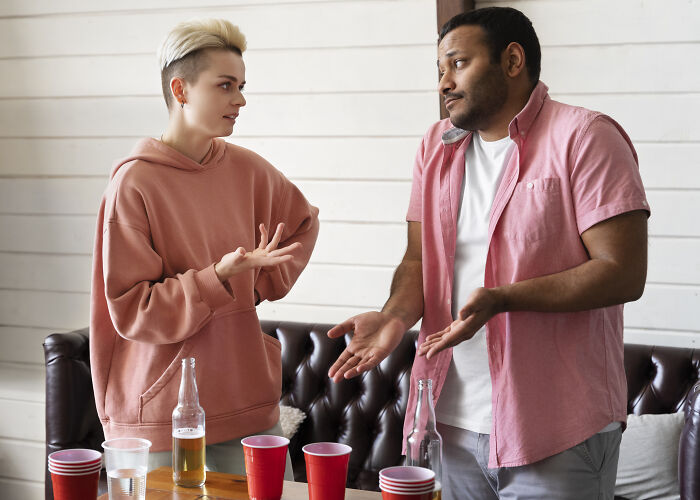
{"x":608,"y":211}
{"x":211,"y":290}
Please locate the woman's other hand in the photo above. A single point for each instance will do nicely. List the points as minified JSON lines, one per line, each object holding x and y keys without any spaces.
{"x":266,"y":255}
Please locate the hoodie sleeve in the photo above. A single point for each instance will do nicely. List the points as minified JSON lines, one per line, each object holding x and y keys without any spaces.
{"x":145,"y":307}
{"x":301,"y":225}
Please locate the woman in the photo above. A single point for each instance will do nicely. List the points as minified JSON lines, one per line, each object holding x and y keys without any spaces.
{"x":182,"y":258}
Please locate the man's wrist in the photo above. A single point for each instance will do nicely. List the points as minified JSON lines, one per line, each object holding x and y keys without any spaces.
{"x":502,"y":298}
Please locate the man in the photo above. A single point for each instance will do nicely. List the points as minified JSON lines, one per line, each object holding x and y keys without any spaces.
{"x":526,"y":234}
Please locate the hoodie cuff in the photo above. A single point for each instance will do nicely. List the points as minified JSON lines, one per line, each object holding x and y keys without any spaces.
{"x":211,"y":290}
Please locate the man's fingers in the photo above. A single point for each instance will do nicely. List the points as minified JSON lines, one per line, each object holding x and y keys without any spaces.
{"x":340,"y":362}
{"x":341,"y":329}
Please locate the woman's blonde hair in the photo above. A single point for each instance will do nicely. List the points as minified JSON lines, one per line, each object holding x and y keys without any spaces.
{"x":182,"y":52}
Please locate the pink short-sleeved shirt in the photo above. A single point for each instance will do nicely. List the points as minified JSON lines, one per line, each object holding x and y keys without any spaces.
{"x":557,"y":378}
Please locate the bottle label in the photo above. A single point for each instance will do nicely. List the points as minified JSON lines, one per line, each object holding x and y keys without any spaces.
{"x":188,"y":433}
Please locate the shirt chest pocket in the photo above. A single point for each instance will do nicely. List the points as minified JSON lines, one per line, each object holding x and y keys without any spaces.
{"x":534,"y":211}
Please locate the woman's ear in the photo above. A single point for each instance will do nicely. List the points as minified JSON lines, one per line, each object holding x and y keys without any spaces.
{"x":177,"y":89}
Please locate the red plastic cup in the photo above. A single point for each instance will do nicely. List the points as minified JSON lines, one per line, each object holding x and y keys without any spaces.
{"x":265,"y":460}
{"x":407,"y":475}
{"x":407,"y":489}
{"x":75,"y":486}
{"x":326,"y":470}
{"x":75,"y":457}
{"x":74,"y":470}
{"x":390,"y":495}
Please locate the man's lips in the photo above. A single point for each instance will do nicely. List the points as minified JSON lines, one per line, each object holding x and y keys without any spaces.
{"x":232,"y":116}
{"x":450,"y":100}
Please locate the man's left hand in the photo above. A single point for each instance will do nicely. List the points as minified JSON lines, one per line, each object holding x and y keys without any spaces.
{"x":482,"y":305}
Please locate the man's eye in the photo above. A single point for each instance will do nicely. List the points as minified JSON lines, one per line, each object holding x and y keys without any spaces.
{"x":460,"y":63}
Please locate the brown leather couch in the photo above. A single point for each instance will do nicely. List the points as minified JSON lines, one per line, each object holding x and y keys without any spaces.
{"x":367,"y":412}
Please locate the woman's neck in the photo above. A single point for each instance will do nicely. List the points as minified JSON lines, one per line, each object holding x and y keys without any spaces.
{"x":192,"y":145}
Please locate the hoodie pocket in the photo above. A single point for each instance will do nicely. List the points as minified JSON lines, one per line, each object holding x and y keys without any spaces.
{"x":166,"y":384}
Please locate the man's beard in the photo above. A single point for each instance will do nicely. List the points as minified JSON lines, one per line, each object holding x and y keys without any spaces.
{"x":483,"y":101}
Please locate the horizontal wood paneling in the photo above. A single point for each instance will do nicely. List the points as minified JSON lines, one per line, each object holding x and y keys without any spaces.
{"x":294,"y":115}
{"x":672,"y":165}
{"x":281,"y":311}
{"x":620,"y":68}
{"x":665,"y":307}
{"x":373,"y":69}
{"x":356,"y":261}
{"x":23,"y":345}
{"x":659,"y":118}
{"x":22,"y":420}
{"x":338,"y":24}
{"x":662,"y":165}
{"x":646,"y":117}
{"x":26,"y":490}
{"x":297,"y":158}
{"x":51,"y":310}
{"x":662,"y":337}
{"x":22,"y":460}
{"x":47,"y":233}
{"x":22,"y":382}
{"x":603,"y":22}
{"x":347,"y":201}
{"x":52,"y":7}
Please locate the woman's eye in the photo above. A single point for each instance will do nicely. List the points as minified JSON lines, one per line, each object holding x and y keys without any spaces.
{"x":241,"y":88}
{"x":225,"y":86}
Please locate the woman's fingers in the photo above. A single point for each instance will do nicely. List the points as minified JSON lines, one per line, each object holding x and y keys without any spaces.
{"x":276,"y":237}
{"x":263,"y":236}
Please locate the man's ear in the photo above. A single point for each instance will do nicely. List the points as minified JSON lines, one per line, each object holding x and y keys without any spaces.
{"x":513,"y":59}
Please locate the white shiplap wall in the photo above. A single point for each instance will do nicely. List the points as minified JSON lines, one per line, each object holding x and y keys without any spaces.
{"x":339,"y":93}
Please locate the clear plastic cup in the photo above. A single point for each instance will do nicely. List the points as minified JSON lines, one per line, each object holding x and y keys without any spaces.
{"x":126,"y":461}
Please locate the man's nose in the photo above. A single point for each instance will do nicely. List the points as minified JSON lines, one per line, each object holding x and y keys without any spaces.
{"x":446,"y":84}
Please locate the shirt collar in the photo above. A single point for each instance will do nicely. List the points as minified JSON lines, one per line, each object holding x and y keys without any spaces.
{"x":518,"y":126}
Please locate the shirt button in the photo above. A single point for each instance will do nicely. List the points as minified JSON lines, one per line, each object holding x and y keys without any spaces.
{"x":449,"y":301}
{"x":522,"y":133}
{"x":530,"y":185}
{"x":644,"y":203}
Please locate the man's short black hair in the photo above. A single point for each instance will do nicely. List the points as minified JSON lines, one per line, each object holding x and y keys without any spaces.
{"x":502,"y":26}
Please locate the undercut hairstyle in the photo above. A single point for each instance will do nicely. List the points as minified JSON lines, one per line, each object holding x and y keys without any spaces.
{"x":182,"y":53}
{"x":502,"y":25}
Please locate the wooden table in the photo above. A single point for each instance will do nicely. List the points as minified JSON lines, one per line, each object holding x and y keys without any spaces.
{"x":220,"y":486}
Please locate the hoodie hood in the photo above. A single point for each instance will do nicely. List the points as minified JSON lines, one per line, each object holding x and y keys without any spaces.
{"x":154,"y":151}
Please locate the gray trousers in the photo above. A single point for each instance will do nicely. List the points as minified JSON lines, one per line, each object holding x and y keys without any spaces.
{"x":586,"y":471}
{"x":222,"y":457}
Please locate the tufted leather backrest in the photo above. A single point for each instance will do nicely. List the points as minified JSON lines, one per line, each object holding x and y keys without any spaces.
{"x":71,"y":416}
{"x":366,"y":412}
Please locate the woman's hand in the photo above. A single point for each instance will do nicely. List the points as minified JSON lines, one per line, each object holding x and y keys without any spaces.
{"x":266,"y":256}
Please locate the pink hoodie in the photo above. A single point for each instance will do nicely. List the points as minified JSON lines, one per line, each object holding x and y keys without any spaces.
{"x":164,"y":221}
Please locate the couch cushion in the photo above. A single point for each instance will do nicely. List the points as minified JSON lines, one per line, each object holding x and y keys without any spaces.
{"x":648,"y":466}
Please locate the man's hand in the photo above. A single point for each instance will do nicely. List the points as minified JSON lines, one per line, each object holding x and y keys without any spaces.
{"x":265,"y":256}
{"x":481,"y":306}
{"x":376,"y":335}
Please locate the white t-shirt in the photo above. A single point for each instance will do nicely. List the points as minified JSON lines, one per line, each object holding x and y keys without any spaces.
{"x":465,"y":400}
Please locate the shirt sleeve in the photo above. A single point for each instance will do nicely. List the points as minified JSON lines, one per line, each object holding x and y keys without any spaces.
{"x":301,"y":225}
{"x":142,"y":304}
{"x":605,"y":179}
{"x":415,"y":205}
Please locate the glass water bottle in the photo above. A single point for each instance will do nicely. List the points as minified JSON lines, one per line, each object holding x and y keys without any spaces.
{"x":424,"y":444}
{"x":188,"y":431}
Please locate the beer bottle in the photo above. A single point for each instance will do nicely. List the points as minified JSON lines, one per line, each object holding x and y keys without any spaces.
{"x":424,"y":444}
{"x":188,"y":431}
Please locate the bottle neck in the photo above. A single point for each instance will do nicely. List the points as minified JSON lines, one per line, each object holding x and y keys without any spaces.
{"x":425,"y":413}
{"x":188,"y":395}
